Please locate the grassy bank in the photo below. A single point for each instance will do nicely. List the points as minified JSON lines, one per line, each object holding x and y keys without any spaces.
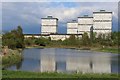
{"x":99,"y":49}
{"x":12,"y":57}
{"x":23,"y":74}
{"x":109,"y":50}
{"x":51,"y":46}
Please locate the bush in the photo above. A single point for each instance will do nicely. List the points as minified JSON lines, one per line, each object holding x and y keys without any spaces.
{"x":11,"y":58}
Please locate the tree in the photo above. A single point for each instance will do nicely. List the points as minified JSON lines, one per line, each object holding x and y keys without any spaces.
{"x":71,"y":41}
{"x":115,"y":38}
{"x":85,"y":39}
{"x":20,"y":37}
{"x":14,"y":38}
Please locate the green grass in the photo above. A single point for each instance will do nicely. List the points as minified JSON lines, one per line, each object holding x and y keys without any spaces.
{"x":23,"y":74}
{"x":112,"y":50}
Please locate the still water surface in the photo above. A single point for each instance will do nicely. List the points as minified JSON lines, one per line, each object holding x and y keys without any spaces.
{"x":67,"y":60}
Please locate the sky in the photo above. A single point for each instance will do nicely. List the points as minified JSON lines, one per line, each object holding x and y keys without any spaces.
{"x":29,"y":14}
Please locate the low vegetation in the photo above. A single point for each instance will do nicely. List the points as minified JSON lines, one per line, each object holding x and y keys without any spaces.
{"x":12,"y":42}
{"x":111,"y":50}
{"x":12,"y":57}
{"x":104,"y":43}
{"x":23,"y":74}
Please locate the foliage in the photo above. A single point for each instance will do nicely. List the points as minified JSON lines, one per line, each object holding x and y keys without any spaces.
{"x":11,"y":58}
{"x":71,"y":41}
{"x":99,"y":40}
{"x":42,"y":41}
{"x":36,"y":41}
{"x":112,"y":50}
{"x":13,"y":39}
{"x":110,"y":39}
{"x":29,"y":41}
{"x":115,"y":38}
{"x":85,"y":39}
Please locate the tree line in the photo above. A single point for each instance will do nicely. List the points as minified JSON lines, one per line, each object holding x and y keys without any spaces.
{"x":109,"y":40}
{"x":15,"y":39}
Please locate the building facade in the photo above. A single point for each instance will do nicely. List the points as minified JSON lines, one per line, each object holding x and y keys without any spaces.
{"x":84,"y":24}
{"x":102,"y":22}
{"x":72,"y":27}
{"x":49,"y":25}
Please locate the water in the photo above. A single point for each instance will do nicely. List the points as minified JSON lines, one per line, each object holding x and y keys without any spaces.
{"x":67,"y":60}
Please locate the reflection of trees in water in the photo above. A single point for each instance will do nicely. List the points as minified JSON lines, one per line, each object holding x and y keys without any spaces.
{"x":91,"y":65}
{"x":60,"y":66}
{"x":115,"y":64}
{"x":18,"y":65}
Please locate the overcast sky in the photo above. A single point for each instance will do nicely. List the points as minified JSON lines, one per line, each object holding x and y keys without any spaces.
{"x":29,"y":14}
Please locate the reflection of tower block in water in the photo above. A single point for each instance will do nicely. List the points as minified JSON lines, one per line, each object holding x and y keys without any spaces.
{"x":102,"y":63}
{"x":78,"y":64}
{"x":60,"y":66}
{"x":47,"y":60}
{"x":97,"y":63}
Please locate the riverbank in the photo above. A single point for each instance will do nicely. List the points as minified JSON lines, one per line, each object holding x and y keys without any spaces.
{"x":110,"y":50}
{"x":11,"y":57}
{"x":98,"y":49}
